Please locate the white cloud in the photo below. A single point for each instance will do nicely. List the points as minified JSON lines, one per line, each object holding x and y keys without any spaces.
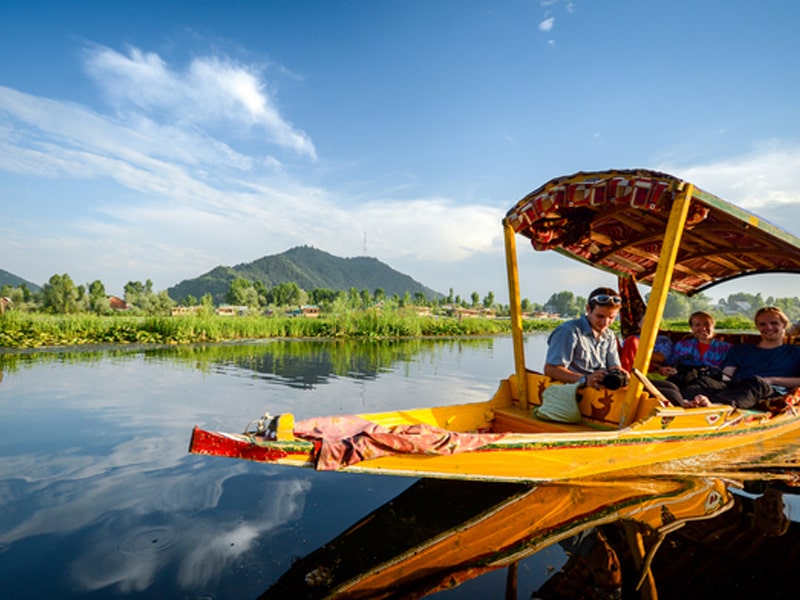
{"x":432,"y":229}
{"x":170,"y":197}
{"x":212,"y":91}
{"x":48,"y":137}
{"x":177,"y":201}
{"x":765,"y":179}
{"x":547,"y":24}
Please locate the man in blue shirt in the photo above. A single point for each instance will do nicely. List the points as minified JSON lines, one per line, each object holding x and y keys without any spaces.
{"x":583,"y":349}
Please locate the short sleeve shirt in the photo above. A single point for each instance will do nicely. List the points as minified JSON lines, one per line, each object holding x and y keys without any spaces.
{"x":750,"y":360}
{"x":574,"y":346}
{"x":689,"y":351}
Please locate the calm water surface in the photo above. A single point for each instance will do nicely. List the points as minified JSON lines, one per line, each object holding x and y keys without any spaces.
{"x":99,"y":498}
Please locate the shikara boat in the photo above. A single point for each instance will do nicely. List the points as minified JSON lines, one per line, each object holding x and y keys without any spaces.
{"x":438,"y":534}
{"x":643,"y":226}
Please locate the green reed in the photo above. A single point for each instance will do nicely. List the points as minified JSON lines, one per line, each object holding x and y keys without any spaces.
{"x":34,"y":330}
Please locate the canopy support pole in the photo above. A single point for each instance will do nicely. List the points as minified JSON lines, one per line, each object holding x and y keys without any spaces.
{"x":516,"y":313}
{"x":658,"y":297}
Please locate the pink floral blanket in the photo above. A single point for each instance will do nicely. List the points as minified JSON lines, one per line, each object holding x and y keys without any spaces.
{"x":346,"y":440}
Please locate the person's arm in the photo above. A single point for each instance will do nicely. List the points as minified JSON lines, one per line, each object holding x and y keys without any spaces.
{"x":682,"y":350}
{"x":560,"y":349}
{"x":731,"y":363}
{"x":787,"y":382}
{"x":728,"y":373}
{"x":563,"y":374}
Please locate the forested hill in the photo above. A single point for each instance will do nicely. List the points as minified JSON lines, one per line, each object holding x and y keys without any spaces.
{"x":7,"y":278}
{"x":310,"y":269}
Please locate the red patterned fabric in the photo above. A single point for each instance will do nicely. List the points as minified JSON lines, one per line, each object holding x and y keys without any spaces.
{"x":347,"y":440}
{"x":633,"y":307}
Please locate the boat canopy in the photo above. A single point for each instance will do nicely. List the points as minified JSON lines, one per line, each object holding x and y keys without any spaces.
{"x":616,"y":221}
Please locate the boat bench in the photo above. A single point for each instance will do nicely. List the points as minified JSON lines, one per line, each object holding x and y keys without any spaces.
{"x":517,"y":420}
{"x":600,"y":409}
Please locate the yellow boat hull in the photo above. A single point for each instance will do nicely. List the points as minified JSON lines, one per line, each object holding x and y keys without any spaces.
{"x":532,"y":449}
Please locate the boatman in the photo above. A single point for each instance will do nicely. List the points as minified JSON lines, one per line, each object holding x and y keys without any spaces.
{"x":584,"y":349}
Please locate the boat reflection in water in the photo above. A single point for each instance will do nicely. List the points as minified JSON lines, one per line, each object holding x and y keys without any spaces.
{"x":619,"y":535}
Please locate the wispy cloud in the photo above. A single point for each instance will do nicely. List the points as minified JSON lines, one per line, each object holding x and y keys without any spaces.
{"x":211,"y":91}
{"x":765,"y":179}
{"x":167,"y":184}
{"x":174,"y":184}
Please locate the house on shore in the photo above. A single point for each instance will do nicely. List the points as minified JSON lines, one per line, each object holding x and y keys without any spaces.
{"x":117,"y":303}
{"x":178,"y":311}
{"x":308,"y":311}
{"x":227,"y":310}
{"x":461,"y":312}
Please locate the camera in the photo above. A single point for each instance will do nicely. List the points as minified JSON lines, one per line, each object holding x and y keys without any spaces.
{"x":614,"y":379}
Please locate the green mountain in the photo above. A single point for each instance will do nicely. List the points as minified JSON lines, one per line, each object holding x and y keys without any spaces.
{"x":310,"y":269}
{"x":7,"y":278}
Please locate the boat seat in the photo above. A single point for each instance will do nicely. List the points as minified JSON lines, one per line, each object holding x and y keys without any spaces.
{"x":600,"y":409}
{"x":518,"y":420}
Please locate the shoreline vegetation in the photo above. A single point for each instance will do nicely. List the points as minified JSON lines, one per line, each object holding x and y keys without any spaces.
{"x":34,"y":330}
{"x":20,"y":330}
{"x":63,"y":314}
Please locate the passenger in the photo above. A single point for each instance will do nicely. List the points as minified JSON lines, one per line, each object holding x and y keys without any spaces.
{"x":662,"y":352}
{"x":755,"y":372}
{"x":702,"y":349}
{"x":583,"y":349}
{"x":696,"y":363}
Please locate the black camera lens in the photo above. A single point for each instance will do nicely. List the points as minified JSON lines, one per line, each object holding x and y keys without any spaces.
{"x":614,"y":379}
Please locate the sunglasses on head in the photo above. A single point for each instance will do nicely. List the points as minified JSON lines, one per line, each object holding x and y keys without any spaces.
{"x":604,"y":299}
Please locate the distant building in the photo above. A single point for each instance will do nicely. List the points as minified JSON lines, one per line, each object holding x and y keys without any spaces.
{"x":461,"y":312}
{"x":307,"y":310}
{"x":739,"y":307}
{"x":116,"y":303}
{"x":226,"y":310}
{"x":542,"y":314}
{"x":185,"y":310}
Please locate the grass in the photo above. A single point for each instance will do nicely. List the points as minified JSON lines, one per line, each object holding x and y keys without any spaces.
{"x":35,"y":330}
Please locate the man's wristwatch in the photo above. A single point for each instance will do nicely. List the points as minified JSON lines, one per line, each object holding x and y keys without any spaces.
{"x":582,"y":381}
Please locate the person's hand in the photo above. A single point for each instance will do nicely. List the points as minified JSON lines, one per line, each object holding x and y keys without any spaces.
{"x":594,"y":380}
{"x":666,"y":370}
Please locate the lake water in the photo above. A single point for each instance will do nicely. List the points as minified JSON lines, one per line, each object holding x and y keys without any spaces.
{"x":100,"y":499}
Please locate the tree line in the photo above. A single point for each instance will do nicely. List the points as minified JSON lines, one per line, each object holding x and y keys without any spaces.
{"x":60,"y":295}
{"x":678,"y":306}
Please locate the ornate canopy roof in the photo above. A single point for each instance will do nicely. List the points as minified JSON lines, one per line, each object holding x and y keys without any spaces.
{"x":616,"y":221}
